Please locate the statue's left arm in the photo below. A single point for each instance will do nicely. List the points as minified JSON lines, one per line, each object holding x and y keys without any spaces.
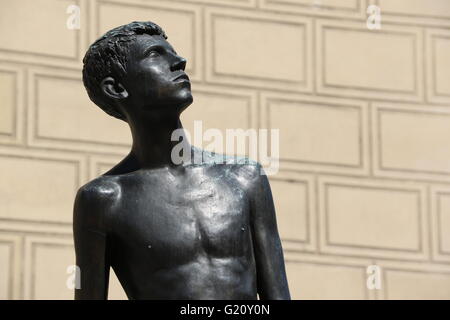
{"x":271,"y":274}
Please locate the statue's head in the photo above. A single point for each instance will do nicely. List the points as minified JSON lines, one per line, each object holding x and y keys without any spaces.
{"x":132,"y":70}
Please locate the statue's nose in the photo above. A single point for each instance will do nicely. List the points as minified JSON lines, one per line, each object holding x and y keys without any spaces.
{"x":179,"y":63}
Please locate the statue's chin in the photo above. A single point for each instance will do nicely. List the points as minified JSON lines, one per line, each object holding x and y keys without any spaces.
{"x":184,"y":107}
{"x":186,"y":100}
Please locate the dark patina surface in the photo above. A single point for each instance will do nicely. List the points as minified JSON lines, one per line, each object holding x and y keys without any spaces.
{"x":195,"y":230}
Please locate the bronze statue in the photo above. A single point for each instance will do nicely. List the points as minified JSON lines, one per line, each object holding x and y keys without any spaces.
{"x":170,"y":231}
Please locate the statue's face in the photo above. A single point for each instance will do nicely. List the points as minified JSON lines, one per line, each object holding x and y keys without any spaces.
{"x":155,"y":76}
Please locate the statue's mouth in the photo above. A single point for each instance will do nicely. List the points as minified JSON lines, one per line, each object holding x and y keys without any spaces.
{"x":182,"y":77}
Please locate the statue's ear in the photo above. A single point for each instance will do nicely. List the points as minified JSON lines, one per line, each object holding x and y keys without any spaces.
{"x":113,"y":89}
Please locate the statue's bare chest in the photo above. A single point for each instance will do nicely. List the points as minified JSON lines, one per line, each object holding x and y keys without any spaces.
{"x":186,"y":215}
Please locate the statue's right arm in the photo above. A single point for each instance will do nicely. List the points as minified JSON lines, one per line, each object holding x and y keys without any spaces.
{"x":91,"y":245}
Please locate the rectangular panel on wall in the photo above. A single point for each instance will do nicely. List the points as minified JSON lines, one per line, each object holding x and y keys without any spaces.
{"x":438,"y":65}
{"x":181,"y":23}
{"x":100,"y":164}
{"x":322,"y":278}
{"x":440,"y":223}
{"x":347,"y":8}
{"x":62,"y":116}
{"x":29,"y":37}
{"x":416,"y":285}
{"x":372,"y":218}
{"x":39,"y":185}
{"x":336,"y":4}
{"x":17,"y":264}
{"x":318,"y":133}
{"x":10,"y":264}
{"x":232,"y":3}
{"x":47,"y":259}
{"x":8,"y":83}
{"x":11,"y":97}
{"x":444,"y":223}
{"x":378,"y":64}
{"x":49,"y":252}
{"x":219,"y":109}
{"x":434,"y":8}
{"x":247,"y":49}
{"x":6,"y":275}
{"x":411,"y":142}
{"x":294,"y":199}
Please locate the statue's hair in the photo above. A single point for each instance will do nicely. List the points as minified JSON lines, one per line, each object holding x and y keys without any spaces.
{"x":107,"y":56}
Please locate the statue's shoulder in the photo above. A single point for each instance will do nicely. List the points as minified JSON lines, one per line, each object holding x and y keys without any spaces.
{"x":97,"y":195}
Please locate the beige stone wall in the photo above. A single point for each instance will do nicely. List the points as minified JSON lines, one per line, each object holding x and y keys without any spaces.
{"x":364,"y":125}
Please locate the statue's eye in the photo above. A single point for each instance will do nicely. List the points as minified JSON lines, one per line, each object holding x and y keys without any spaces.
{"x":153,"y":53}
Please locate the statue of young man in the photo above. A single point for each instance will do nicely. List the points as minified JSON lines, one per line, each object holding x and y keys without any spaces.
{"x":170,"y":231}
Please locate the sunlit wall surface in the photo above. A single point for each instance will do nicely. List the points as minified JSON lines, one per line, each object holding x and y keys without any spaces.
{"x":359,"y":89}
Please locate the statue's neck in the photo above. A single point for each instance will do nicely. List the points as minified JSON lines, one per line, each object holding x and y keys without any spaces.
{"x":152,"y":144}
